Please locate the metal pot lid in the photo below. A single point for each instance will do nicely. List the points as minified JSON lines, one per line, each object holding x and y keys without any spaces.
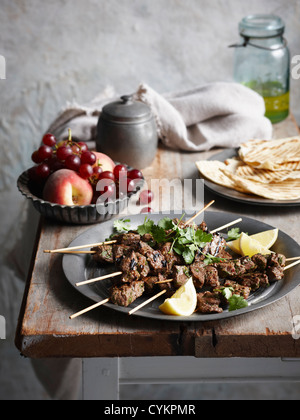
{"x":126,"y":110}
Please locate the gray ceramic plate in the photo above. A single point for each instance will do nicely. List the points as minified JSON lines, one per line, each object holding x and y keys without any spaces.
{"x":238,"y":196}
{"x":78,"y":268}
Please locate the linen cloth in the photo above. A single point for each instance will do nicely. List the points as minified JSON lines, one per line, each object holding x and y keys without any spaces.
{"x":222,"y":114}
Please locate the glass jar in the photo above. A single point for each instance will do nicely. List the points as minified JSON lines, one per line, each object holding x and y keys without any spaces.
{"x":262,"y":62}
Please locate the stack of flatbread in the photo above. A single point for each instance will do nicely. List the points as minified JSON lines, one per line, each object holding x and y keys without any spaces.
{"x":266,"y":168}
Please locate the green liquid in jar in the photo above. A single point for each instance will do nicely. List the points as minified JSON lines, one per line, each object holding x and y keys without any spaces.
{"x":276,"y":99}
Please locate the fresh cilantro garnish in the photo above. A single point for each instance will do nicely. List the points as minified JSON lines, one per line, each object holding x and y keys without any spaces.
{"x":189,"y":253}
{"x":237,"y":302}
{"x":159,"y":234}
{"x":226,"y":292}
{"x":201,"y":238}
{"x":146,"y":227}
{"x":166,"y":223}
{"x":187,"y":242}
{"x":157,"y":231}
{"x":122,"y":225}
{"x":233,"y":234}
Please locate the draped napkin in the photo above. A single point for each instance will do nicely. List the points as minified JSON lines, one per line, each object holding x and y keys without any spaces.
{"x":220,"y":114}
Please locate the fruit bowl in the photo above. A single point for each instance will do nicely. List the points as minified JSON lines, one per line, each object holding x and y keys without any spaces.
{"x":88,"y":214}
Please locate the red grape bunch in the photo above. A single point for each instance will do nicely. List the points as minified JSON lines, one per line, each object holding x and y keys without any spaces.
{"x":53,"y":156}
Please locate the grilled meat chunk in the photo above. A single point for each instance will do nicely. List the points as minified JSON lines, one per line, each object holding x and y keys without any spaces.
{"x":215,"y":246}
{"x":148,"y":238}
{"x":119,"y":252}
{"x":142,"y":265}
{"x":275,"y":273}
{"x":204,"y":275}
{"x":211,"y":276}
{"x":276,"y":260}
{"x":260,"y":261}
{"x":198,"y":273}
{"x":203,"y":226}
{"x":150,"y":284}
{"x":235,"y":268}
{"x":224,"y":254}
{"x":127,"y":293}
{"x":129,"y":266}
{"x":276,"y":264}
{"x":208,"y":302}
{"x":142,"y":247}
{"x":254,"y":280}
{"x":131,"y":239}
{"x":181,"y":274}
{"x":169,"y":287}
{"x":156,"y":261}
{"x":104,"y":254}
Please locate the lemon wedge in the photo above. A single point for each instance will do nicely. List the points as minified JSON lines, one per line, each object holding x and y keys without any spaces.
{"x":183,"y":302}
{"x":249,"y":246}
{"x":267,"y":239}
{"x":234,"y":245}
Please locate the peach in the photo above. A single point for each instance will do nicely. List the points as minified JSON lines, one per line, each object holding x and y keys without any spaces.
{"x":66,"y":187}
{"x":107,"y":164}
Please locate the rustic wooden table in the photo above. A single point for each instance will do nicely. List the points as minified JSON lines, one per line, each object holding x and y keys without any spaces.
{"x":45,"y":330}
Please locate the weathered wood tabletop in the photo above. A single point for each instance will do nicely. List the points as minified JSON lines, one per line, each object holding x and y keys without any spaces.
{"x":45,"y":329}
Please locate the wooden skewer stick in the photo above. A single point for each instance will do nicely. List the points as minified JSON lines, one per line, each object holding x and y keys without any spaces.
{"x":227,"y":225}
{"x":164,"y":281}
{"x":199,"y":212}
{"x":291,"y":265}
{"x":146,"y":302}
{"x":76,"y":252}
{"x":62,"y":250}
{"x":293,"y":259}
{"x":107,"y":276}
{"x":89,"y":308}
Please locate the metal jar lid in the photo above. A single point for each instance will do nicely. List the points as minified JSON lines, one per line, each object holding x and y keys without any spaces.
{"x":126,"y":111}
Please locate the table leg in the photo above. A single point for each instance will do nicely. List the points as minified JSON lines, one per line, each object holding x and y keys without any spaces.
{"x":100,"y":379}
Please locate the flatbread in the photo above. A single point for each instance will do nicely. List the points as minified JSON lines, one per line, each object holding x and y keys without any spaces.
{"x":270,"y":154}
{"x":284,"y":190}
{"x":265,"y":176}
{"x":266,"y":168}
{"x":211,"y":170}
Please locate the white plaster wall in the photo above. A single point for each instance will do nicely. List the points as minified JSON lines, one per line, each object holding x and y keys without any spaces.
{"x":63,"y":50}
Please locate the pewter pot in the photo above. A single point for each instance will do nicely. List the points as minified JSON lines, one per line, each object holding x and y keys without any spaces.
{"x":127,"y":132}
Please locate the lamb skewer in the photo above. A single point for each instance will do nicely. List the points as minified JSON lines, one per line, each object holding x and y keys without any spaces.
{"x":93,"y":250}
{"x":75,"y":248}
{"x":145,"y":268}
{"x":208,"y":302}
